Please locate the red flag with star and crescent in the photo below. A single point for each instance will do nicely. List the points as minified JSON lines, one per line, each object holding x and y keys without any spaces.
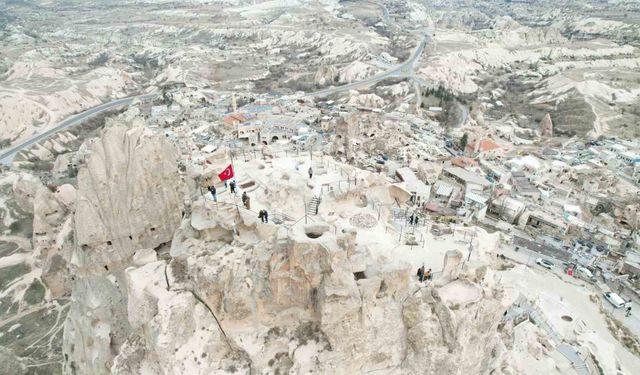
{"x":227,"y":174}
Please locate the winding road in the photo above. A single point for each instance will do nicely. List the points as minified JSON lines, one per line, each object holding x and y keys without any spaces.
{"x":403,"y":70}
{"x":6,"y":156}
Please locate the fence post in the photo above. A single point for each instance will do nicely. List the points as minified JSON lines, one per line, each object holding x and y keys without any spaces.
{"x":305,"y":212}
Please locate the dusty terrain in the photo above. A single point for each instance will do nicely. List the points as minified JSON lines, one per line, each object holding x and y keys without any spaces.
{"x":115,"y":259}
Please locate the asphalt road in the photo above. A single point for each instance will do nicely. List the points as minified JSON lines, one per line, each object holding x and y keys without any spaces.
{"x":6,"y":156}
{"x":403,"y":70}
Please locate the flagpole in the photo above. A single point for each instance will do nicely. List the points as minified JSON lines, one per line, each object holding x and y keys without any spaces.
{"x":233,"y":168}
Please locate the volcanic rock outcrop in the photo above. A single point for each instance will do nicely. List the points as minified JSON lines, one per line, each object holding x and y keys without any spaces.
{"x":130,"y":197}
{"x":159,"y":288}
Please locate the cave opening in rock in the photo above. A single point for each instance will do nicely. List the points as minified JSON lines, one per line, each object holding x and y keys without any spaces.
{"x":359,"y":275}
{"x":383,"y":290}
{"x":313,"y":232}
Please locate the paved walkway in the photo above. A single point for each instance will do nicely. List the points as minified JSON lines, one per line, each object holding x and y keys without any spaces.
{"x":572,"y":355}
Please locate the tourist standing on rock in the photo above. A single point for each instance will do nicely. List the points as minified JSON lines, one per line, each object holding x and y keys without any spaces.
{"x":310,"y":172}
{"x":428,"y":275}
{"x":421,"y":273}
{"x":212,"y":190}
{"x":628,"y":311}
{"x":232,"y":185}
{"x":245,"y":200}
{"x":261,"y":215}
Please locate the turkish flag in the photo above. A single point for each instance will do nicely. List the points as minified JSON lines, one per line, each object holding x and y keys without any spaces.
{"x":227,"y":174}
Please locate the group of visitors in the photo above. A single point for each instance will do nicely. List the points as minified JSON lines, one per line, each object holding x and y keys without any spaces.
{"x":413,"y":219}
{"x":424,"y":275}
{"x":213,"y":191}
{"x":263,"y":215}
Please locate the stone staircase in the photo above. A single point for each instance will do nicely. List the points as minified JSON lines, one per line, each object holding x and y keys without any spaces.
{"x":312,"y":208}
{"x":523,"y":307}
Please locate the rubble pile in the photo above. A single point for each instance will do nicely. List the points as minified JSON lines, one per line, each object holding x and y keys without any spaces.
{"x":363,"y":221}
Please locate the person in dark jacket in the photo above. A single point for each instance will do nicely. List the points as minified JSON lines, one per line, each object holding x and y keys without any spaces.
{"x":212,"y":190}
{"x":246,"y":201}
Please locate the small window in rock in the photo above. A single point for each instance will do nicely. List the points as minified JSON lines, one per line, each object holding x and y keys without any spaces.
{"x":383,"y":290}
{"x":359,"y":275}
{"x":130,"y":237}
{"x":153,"y":229}
{"x":109,"y":243}
{"x":106,"y":267}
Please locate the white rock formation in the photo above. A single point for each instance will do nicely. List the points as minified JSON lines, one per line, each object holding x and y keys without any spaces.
{"x":130,"y":197}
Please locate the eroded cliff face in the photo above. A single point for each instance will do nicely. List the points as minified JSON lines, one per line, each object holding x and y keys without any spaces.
{"x":130,"y":196}
{"x":292,"y":302}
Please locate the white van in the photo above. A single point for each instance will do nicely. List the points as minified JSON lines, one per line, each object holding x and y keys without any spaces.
{"x":584,"y":274}
{"x":614,"y":299}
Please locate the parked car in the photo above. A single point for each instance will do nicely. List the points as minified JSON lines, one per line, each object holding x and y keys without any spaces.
{"x":614,"y":299}
{"x":545,"y":263}
{"x":585,"y":274}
